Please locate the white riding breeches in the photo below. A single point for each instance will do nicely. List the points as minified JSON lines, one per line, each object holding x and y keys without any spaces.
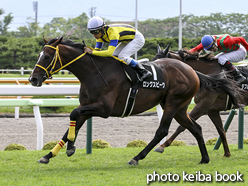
{"x":125,"y":50}
{"x":234,"y":56}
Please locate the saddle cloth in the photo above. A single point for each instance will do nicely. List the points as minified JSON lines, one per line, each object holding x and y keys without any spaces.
{"x":156,"y":81}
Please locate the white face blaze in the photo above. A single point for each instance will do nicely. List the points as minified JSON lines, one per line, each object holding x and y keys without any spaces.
{"x":41,"y":54}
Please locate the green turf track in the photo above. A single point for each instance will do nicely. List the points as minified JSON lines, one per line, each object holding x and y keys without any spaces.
{"x":109,"y":167}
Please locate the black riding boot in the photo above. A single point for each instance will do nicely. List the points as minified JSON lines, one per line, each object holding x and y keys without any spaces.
{"x":236,"y":73}
{"x":143,"y":73}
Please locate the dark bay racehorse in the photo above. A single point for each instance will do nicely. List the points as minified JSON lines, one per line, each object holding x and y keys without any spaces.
{"x":98,"y":99}
{"x":210,"y":104}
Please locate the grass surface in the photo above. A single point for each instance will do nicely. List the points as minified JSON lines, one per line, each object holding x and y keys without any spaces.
{"x":109,"y":167}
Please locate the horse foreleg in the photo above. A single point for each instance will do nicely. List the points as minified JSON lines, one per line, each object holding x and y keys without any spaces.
{"x":45,"y":159}
{"x":74,"y":116}
{"x":77,"y":118}
{"x":70,"y":146}
{"x":216,"y":119}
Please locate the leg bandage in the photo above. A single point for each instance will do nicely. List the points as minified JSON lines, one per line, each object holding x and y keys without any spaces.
{"x":71,"y":132}
{"x":57,"y":148}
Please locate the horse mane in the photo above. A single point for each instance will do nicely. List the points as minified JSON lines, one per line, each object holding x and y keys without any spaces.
{"x":196,"y":55}
{"x":67,"y":42}
{"x":208,"y":57}
{"x":175,"y":55}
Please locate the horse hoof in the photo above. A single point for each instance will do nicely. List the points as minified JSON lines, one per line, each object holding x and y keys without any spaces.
{"x":43,"y":160}
{"x":132,"y":162}
{"x":71,"y":151}
{"x":159,"y":149}
{"x":204,"y":161}
{"x":227,"y":155}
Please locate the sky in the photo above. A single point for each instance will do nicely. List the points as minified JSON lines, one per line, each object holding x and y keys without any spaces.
{"x":116,"y":10}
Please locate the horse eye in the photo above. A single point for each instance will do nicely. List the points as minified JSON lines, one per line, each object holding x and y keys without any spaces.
{"x":47,"y":56}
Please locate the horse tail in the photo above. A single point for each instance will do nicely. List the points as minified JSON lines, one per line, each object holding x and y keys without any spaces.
{"x":216,"y":83}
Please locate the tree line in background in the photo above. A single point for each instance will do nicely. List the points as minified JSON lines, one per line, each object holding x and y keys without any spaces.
{"x":21,"y":48}
{"x":23,"y":52}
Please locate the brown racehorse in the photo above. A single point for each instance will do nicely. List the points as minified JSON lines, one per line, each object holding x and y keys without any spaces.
{"x":107,"y":98}
{"x":210,"y":104}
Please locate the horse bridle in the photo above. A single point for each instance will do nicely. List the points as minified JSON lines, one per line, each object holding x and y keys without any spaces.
{"x":54,"y":61}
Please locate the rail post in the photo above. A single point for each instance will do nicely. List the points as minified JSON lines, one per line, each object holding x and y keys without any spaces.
{"x":89,"y":137}
{"x":226,"y":126}
{"x":241,"y":129}
{"x":39,"y":126}
{"x":22,"y":71}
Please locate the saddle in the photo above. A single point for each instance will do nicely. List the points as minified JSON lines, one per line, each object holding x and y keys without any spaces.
{"x":156,"y":81}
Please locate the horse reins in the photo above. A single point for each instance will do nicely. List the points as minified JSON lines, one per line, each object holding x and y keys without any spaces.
{"x":96,"y":67}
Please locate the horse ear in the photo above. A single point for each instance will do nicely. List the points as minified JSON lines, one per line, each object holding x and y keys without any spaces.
{"x":45,"y":41}
{"x":84,"y":43}
{"x":166,"y":50}
{"x":158,"y":49}
{"x":58,"y":41}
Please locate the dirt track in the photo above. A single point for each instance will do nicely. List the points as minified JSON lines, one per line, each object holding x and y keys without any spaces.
{"x":117,"y":131}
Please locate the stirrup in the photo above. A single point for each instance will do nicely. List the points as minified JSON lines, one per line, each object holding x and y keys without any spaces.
{"x":240,"y":79}
{"x":148,"y":74}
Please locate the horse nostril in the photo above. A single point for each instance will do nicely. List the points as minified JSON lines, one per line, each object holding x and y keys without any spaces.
{"x":32,"y":80}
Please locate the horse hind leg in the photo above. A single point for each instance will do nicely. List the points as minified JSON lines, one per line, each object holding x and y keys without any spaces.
{"x":216,"y":119}
{"x":200,"y":109}
{"x":183,"y":119}
{"x":168,"y":142}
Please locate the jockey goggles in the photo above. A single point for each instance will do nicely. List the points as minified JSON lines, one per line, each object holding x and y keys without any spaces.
{"x":214,"y":46}
{"x":95,"y":32}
